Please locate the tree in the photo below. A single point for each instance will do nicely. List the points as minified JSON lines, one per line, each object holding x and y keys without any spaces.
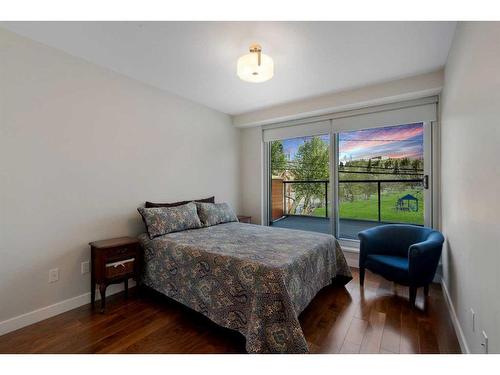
{"x":312,"y":165}
{"x":278,"y":158}
{"x":405,"y":162}
{"x":416,"y":164}
{"x":396,"y":167}
{"x":388,"y":163}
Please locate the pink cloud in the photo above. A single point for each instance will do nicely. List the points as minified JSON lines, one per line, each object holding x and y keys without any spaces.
{"x":404,"y":154}
{"x":365,"y":139}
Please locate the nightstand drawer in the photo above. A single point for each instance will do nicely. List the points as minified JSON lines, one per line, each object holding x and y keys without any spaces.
{"x":245,"y":219}
{"x":119,"y":253}
{"x":121,"y":268}
{"x":114,"y":261}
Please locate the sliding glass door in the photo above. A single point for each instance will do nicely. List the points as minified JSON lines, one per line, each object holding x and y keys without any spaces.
{"x":300,"y":183}
{"x":381,"y":178}
{"x":358,"y":170}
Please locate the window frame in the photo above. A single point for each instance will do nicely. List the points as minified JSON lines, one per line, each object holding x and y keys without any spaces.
{"x":426,"y":107}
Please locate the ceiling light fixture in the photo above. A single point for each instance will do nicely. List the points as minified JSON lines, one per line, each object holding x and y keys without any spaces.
{"x":255,"y":66}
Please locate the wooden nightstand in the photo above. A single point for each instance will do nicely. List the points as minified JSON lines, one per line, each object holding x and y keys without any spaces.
{"x":245,"y":219}
{"x":114,"y":261}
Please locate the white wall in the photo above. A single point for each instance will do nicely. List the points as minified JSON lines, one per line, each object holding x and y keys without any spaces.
{"x":251,"y":173}
{"x":81,"y":147}
{"x":388,"y":92}
{"x":471,"y":179}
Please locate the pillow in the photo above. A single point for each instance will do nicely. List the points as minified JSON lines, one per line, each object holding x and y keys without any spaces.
{"x":175,"y":204}
{"x":163,"y":220}
{"x":215,"y":213}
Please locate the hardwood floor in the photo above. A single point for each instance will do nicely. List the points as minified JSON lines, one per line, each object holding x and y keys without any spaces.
{"x":377,"y":319}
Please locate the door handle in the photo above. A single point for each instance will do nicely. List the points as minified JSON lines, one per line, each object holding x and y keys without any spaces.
{"x":425,"y":181}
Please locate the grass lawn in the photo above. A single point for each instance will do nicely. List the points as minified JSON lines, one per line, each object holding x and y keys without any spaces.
{"x":362,"y":209}
{"x":320,"y":211}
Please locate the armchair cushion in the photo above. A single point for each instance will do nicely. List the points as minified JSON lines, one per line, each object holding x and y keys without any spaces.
{"x":391,"y":267}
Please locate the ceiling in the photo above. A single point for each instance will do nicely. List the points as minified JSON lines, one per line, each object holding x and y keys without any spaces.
{"x":197,"y":60}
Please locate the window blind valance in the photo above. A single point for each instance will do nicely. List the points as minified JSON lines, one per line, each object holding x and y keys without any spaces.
{"x":421,"y":110}
{"x":409,"y":115}
{"x":295,"y":131}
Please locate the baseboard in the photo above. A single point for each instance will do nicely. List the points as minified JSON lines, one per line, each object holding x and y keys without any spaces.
{"x":351,"y":256}
{"x":454,"y":319}
{"x":46,"y":312}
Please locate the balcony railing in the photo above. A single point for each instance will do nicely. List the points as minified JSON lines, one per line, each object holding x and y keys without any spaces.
{"x":401,"y":206}
{"x":285,"y":196}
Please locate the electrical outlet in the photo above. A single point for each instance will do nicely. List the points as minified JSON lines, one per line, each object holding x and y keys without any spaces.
{"x":53,"y":275}
{"x":85,"y":267}
{"x":473,"y":319}
{"x":484,"y":344}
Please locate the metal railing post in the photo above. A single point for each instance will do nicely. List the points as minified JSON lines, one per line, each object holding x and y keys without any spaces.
{"x":284,"y":198}
{"x":378,"y":192}
{"x":326,"y":199}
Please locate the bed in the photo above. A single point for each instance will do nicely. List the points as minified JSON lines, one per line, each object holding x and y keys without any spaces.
{"x":250,"y":278}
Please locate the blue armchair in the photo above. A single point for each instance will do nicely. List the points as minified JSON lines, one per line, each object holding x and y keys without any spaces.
{"x":406,"y":254}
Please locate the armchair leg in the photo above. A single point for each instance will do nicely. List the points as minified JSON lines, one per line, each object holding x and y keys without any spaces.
{"x":361,"y":276}
{"x":413,"y":295}
{"x":426,"y":290}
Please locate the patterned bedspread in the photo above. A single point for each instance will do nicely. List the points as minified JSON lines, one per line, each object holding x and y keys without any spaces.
{"x":250,"y":278}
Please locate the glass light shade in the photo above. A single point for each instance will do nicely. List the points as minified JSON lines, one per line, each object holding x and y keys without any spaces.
{"x":249,"y":69}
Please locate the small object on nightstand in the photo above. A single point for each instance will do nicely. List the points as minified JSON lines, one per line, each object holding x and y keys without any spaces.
{"x":114,"y":261}
{"x":245,"y":219}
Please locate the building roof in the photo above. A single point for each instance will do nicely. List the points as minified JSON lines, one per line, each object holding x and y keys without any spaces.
{"x":408,"y":197}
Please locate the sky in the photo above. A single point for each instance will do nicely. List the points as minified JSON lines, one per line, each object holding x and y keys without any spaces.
{"x":393,"y":141}
{"x":388,"y":142}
